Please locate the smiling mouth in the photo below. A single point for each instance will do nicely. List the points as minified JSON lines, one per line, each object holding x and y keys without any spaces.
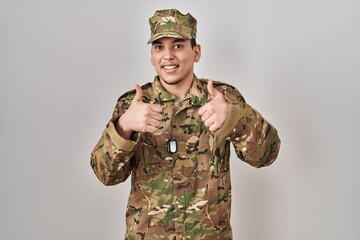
{"x":170,"y":67}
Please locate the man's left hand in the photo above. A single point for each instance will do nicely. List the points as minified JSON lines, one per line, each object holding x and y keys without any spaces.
{"x":214,"y":112}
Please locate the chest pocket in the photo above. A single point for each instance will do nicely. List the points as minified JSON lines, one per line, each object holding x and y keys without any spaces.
{"x":212,"y":154}
{"x":148,"y":161}
{"x":221,"y":155}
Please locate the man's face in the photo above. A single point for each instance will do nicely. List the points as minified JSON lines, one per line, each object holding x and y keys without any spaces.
{"x":173,"y":60}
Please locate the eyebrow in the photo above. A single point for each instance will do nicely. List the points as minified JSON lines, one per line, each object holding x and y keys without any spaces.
{"x":156,"y":42}
{"x":176,"y":40}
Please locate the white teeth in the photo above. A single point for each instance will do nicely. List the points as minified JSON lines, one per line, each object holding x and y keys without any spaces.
{"x":170,"y":67}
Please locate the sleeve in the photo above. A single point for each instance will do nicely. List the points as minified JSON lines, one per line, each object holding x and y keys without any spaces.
{"x":255,"y":140}
{"x":112,"y":159}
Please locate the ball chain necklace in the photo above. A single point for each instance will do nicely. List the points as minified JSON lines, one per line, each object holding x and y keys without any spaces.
{"x":171,"y":144}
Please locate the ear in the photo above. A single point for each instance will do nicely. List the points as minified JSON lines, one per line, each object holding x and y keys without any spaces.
{"x":152,"y":60}
{"x":197,"y":50}
{"x":151,"y":55}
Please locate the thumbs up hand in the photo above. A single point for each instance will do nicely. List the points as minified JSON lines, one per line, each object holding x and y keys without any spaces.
{"x":140,"y":117}
{"x":214,"y":112}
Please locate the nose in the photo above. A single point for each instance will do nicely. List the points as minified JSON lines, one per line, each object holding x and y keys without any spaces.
{"x":168,"y":55}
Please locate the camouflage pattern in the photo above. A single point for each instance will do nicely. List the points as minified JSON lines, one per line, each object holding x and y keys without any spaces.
{"x":185,"y":195}
{"x":172,"y":23}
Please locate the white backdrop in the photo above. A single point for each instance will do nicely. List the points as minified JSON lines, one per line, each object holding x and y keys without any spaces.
{"x":63,"y":64}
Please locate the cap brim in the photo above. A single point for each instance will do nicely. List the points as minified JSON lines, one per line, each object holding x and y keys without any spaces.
{"x":166,"y":34}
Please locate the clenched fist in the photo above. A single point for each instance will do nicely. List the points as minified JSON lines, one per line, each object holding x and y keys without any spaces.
{"x":214,"y":112}
{"x":140,"y":117}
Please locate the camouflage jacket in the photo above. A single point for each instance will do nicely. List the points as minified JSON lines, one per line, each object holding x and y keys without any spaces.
{"x":187,"y":194}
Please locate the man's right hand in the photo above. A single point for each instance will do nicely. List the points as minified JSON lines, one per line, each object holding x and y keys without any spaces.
{"x":140,"y":117}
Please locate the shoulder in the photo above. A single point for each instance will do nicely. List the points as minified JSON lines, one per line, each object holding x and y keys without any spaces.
{"x":124,"y":101}
{"x":230,"y":92}
{"x":217,"y":84}
{"x":129,"y":95}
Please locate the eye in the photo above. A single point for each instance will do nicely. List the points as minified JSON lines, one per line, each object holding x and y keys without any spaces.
{"x":158,"y":47}
{"x":178,"y":46}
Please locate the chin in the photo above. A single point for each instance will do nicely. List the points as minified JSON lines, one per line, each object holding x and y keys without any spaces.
{"x":172,"y":82}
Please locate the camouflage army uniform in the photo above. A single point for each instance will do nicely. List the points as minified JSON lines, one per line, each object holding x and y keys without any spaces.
{"x":187,"y":194}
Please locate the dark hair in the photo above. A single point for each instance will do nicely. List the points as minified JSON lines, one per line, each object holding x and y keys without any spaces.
{"x":193,"y":42}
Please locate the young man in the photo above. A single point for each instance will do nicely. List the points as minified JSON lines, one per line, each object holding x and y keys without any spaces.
{"x":173,"y":136}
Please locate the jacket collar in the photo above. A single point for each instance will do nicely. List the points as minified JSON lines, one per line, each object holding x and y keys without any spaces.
{"x":195,"y":97}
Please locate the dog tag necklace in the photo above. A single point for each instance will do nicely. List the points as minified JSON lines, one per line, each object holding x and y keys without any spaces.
{"x":171,"y":144}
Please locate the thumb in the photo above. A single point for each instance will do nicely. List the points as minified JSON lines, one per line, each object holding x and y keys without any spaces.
{"x":138,"y":94}
{"x":210,"y":87}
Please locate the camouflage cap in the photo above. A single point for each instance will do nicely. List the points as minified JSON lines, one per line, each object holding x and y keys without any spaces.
{"x":172,"y":23}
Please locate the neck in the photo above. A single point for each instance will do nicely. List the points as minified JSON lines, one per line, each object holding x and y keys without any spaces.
{"x":180,"y":89}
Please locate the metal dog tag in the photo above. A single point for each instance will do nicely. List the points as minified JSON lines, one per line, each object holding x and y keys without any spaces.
{"x":171,"y":146}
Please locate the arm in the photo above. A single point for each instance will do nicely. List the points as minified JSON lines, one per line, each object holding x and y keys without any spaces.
{"x":255,"y":140}
{"x":112,"y":159}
